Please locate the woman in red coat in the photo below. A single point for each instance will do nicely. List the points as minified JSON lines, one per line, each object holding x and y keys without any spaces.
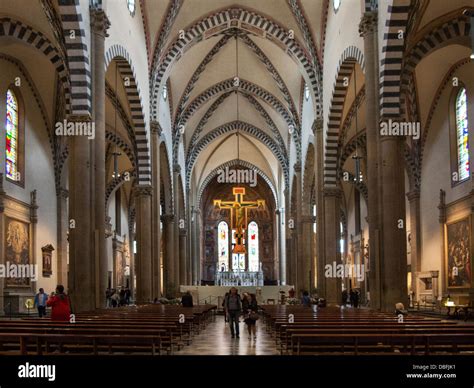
{"x":59,"y":303}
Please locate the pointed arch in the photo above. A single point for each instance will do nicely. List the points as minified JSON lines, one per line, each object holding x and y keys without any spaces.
{"x":124,"y":63}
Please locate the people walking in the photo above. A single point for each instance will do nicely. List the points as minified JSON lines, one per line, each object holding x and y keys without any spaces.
{"x":251,"y":315}
{"x":40,"y":302}
{"x":233,"y":305}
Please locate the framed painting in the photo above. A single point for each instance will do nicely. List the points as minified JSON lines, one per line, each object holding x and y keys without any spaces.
{"x":458,"y":254}
{"x":17,"y":249}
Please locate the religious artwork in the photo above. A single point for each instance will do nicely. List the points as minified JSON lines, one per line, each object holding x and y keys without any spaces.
{"x":223,"y":246}
{"x":238,"y":215}
{"x":11,"y":140}
{"x":458,"y":260}
{"x":47,"y":253}
{"x":17,"y":248}
{"x":253,"y":247}
{"x":462,"y":135}
{"x":209,"y":244}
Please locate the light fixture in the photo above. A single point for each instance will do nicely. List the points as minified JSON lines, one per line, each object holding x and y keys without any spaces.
{"x":336,"y":4}
{"x":472,"y":56}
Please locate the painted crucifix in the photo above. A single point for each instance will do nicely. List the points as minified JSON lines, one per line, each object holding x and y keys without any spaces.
{"x":238,"y":215}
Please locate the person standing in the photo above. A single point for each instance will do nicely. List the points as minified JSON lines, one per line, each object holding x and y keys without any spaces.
{"x":251,"y":311}
{"x":234,"y":308}
{"x":59,"y":303}
{"x":40,"y":302}
{"x":306,"y":300}
{"x":187,"y":299}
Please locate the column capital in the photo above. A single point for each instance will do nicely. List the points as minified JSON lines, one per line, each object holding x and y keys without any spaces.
{"x":99,"y":21}
{"x":79,"y":118}
{"x":63,"y":193}
{"x":155,"y":128}
{"x":368,"y":23}
{"x":143,"y":191}
{"x":176,"y":168}
{"x":413,"y":195}
{"x":318,"y":125}
{"x":297,"y":167}
{"x":167,"y":218}
{"x":332,"y":192}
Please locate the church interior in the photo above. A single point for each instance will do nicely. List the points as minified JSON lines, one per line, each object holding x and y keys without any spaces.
{"x":314,"y":154}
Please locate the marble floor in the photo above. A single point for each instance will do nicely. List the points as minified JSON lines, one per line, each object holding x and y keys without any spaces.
{"x":215,"y":339}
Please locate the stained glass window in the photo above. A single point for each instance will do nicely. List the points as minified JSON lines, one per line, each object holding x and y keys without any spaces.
{"x":462,"y":134}
{"x":253,"y":246}
{"x":131,"y":6}
{"x":306,"y":92}
{"x":11,"y":143}
{"x":238,"y":259}
{"x":223,"y":246}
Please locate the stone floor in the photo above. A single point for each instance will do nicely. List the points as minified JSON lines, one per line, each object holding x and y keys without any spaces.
{"x":216,"y":340}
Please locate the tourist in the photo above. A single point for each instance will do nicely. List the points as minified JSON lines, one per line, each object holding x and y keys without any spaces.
{"x":127,"y":296}
{"x":344,"y":297}
{"x":108,"y":294}
{"x":226,"y":318}
{"x":400,"y":309}
{"x":115,"y":298}
{"x":355,"y":298}
{"x":251,"y":315}
{"x":306,"y":300}
{"x":122,"y":297}
{"x":233,"y":305}
{"x":351,"y":296}
{"x":40,"y":302}
{"x":59,"y":303}
{"x":187,"y":299}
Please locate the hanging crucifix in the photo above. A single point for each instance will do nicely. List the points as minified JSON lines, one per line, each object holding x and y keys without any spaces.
{"x":238,"y":215}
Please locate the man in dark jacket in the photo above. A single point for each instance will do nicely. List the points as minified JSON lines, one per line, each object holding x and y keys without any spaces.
{"x":187,"y":300}
{"x":233,"y":305}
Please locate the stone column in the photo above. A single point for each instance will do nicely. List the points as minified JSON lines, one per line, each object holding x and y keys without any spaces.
{"x":281,"y":249}
{"x":415,"y":241}
{"x":183,"y":233}
{"x":99,"y":26}
{"x":298,"y":233}
{"x":320,"y":241}
{"x":169,"y":264}
{"x":442,"y":218}
{"x":368,"y":30}
{"x":62,"y":229}
{"x":332,"y":234}
{"x":394,"y":255}
{"x":195,"y":244}
{"x":144,"y":245}
{"x":81,"y":277}
{"x":306,"y":246}
{"x":179,"y":216}
{"x":156,"y":208}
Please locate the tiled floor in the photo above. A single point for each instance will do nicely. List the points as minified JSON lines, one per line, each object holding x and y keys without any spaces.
{"x":216,"y":340}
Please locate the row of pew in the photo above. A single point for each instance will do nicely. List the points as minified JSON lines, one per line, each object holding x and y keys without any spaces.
{"x":299,"y":330}
{"x":146,"y":329}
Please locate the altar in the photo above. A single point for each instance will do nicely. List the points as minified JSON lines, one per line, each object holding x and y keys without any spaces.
{"x":239,"y":278}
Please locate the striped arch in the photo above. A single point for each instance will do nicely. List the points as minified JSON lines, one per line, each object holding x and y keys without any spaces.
{"x":230,"y":18}
{"x":115,"y":139}
{"x":350,"y":56}
{"x":435,"y":39}
{"x":114,"y":184}
{"x":232,"y":163}
{"x":18,"y":30}
{"x":258,"y":107}
{"x":392,"y":58}
{"x":77,"y":56}
{"x":356,"y":142}
{"x":127,"y":73}
{"x":233,"y":127}
{"x":360,"y":185}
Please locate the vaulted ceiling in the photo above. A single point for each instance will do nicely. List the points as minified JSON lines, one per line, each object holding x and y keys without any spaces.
{"x":201,"y":83}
